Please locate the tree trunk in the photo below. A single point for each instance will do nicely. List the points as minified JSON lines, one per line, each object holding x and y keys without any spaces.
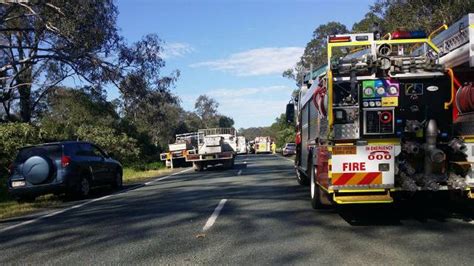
{"x":25,"y":95}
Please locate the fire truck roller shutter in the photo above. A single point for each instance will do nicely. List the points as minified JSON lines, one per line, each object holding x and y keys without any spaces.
{"x":464,"y":124}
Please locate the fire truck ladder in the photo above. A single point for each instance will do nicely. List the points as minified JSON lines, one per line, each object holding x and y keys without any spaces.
{"x":456,"y":43}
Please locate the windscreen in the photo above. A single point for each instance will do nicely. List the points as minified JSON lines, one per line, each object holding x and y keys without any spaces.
{"x":51,"y":151}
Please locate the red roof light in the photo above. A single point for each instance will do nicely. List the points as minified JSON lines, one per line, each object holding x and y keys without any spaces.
{"x":339,"y":38}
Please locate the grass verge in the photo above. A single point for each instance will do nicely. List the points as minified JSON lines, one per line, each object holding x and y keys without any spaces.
{"x":131,"y":175}
{"x":10,"y":208}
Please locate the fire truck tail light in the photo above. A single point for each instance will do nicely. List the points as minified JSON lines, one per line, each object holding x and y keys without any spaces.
{"x":339,"y":38}
{"x":384,"y":167}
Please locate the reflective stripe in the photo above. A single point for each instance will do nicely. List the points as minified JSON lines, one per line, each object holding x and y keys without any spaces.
{"x":370,"y":178}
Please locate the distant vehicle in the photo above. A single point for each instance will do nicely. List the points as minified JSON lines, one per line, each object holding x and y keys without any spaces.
{"x":289,"y":149}
{"x":70,"y":167}
{"x":176,"y":155}
{"x":250,"y":146}
{"x":215,"y":146}
{"x":262,"y":145}
{"x":241,"y":145}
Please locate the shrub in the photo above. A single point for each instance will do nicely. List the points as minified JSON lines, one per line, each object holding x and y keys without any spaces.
{"x":12,"y":137}
{"x":122,"y":146}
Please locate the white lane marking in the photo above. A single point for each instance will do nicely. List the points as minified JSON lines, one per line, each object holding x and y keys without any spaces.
{"x":240,"y":172}
{"x":210,"y":222}
{"x":51,"y":214}
{"x":245,"y":162}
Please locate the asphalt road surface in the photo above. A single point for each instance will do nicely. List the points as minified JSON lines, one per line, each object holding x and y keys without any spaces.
{"x":252,"y":214}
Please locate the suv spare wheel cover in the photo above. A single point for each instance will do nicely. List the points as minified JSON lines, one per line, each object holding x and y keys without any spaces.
{"x":36,"y":169}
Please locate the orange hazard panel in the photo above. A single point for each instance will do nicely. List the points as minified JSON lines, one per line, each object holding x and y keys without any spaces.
{"x":341,"y":179}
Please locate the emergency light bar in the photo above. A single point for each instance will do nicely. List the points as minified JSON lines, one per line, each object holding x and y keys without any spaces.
{"x":403,"y":34}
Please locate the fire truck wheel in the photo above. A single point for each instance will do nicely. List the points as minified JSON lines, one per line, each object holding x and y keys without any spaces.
{"x":464,"y":125}
{"x":301,"y":178}
{"x":317,"y":194}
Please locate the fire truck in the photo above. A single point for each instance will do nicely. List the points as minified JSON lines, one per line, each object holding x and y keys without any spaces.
{"x":214,"y":146}
{"x":177,"y":151}
{"x":388,"y":117}
{"x":262,"y":145}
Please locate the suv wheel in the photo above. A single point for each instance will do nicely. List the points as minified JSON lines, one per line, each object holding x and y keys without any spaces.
{"x":118,"y":181}
{"x":84,"y":188}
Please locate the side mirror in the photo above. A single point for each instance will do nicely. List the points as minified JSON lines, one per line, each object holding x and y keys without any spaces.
{"x":290,"y":113}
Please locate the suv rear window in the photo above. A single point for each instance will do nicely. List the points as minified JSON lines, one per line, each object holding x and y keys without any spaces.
{"x":291,"y":145}
{"x":51,"y":151}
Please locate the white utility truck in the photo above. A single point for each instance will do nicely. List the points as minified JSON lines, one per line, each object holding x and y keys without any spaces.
{"x":241,"y":145}
{"x":176,"y":155}
{"x":215,"y":146}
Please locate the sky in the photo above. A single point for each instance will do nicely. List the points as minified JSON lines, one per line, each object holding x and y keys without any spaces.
{"x":234,"y":51}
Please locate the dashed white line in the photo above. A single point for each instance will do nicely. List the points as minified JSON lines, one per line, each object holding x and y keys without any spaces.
{"x":210,"y":222}
{"x":85,"y":203}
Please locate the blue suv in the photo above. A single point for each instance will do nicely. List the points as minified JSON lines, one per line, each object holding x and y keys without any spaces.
{"x":70,"y":167}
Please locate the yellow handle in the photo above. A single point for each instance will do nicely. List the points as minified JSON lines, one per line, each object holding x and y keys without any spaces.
{"x":451,"y":75}
{"x":443,"y":27}
{"x":389,"y":35}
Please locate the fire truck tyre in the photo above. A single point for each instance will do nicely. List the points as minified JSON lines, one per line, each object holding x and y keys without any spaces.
{"x":464,"y":125}
{"x":197,"y":166}
{"x":302,"y":178}
{"x":316,"y":193}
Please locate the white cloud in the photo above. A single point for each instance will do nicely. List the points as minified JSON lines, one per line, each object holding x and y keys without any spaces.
{"x":256,"y":62}
{"x":228,"y":93}
{"x":176,"y":49}
{"x":249,"y":107}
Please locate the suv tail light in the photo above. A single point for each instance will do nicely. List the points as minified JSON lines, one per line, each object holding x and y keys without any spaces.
{"x":65,"y":161}
{"x":11,"y":168}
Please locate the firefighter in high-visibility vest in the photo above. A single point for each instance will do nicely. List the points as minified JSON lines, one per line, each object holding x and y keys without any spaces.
{"x":273,"y":147}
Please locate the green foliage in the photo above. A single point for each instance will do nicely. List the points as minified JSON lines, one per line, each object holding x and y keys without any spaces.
{"x":141,"y":166}
{"x":389,"y":15}
{"x":253,"y":132}
{"x":54,"y":40}
{"x":426,"y":15}
{"x":12,"y":137}
{"x":206,"y":108}
{"x":123,"y":147}
{"x":315,"y":53}
{"x":285,"y":132}
{"x":225,"y":121}
{"x":280,"y":131}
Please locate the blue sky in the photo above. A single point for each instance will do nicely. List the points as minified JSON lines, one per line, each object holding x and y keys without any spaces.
{"x":234,"y":51}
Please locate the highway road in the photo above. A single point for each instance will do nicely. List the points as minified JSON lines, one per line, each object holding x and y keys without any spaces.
{"x":252,"y":214}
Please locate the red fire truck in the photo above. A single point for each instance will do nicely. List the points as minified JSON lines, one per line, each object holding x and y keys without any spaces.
{"x":388,"y":117}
